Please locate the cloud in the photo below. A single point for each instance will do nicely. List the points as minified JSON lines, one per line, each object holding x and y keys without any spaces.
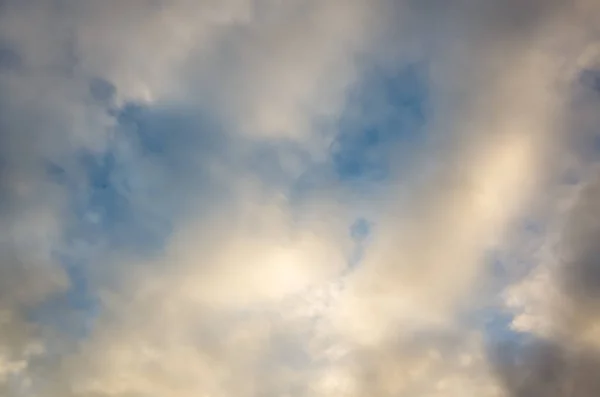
{"x":434,"y":235}
{"x":558,"y":299}
{"x":543,"y":368}
{"x":82,"y":178}
{"x":556,"y":303}
{"x":213,"y":305}
{"x":151,"y":160}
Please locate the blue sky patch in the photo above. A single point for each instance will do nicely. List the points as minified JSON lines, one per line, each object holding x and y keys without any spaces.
{"x":384,"y":118}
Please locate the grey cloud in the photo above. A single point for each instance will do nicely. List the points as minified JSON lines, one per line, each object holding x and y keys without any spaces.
{"x":578,"y":272}
{"x":576,"y":269}
{"x":539,"y":368}
{"x":560,"y":357}
{"x":102,"y":90}
{"x":580,"y":247}
{"x":9,"y":58}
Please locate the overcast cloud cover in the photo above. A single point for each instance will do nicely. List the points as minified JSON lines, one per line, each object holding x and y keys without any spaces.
{"x":317,"y":198}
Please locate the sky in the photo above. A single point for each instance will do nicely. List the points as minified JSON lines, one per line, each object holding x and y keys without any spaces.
{"x":299,"y":198}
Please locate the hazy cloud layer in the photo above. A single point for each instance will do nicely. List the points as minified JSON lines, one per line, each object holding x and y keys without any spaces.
{"x":299,"y":198}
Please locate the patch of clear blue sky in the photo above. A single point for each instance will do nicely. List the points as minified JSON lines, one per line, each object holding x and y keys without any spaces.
{"x":384,"y":118}
{"x":383,"y":122}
